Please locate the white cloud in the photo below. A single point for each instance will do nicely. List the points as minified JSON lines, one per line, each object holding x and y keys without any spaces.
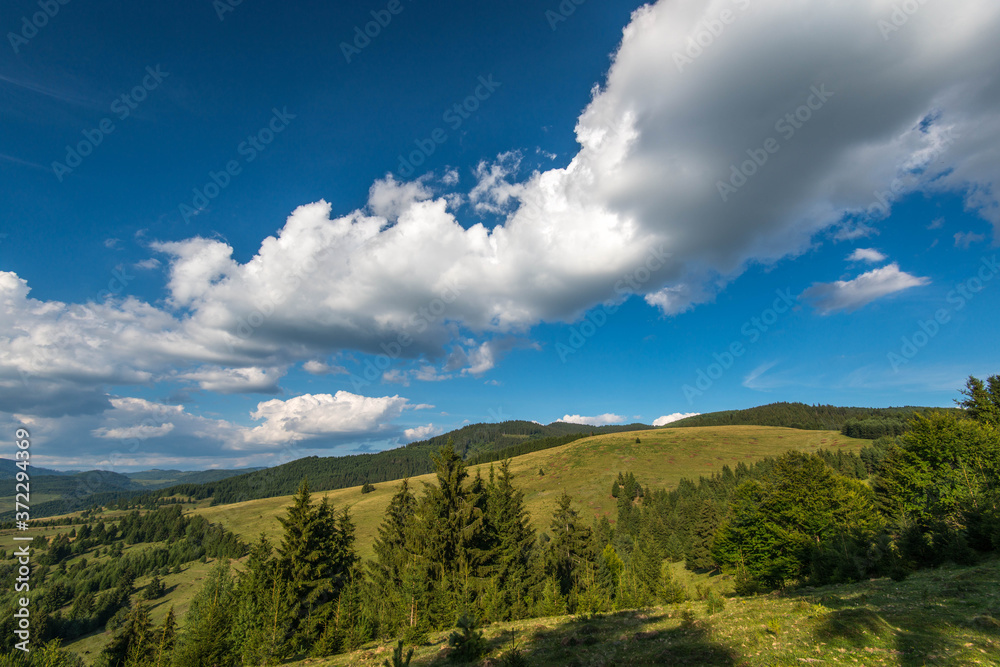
{"x":322,"y":415}
{"x":148,"y":264}
{"x":965,"y":239}
{"x":676,"y":416}
{"x":316,"y":367}
{"x":138,"y":432}
{"x":421,"y":432}
{"x":599,"y":420}
{"x":850,"y":295}
{"x":389,"y":198}
{"x":866,"y":255}
{"x":237,"y":380}
{"x":920,"y":107}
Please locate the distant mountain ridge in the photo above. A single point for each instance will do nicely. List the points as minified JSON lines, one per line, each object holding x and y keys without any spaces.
{"x":799,"y":415}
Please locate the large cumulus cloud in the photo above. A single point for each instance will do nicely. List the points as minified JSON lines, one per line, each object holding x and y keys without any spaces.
{"x":885,"y":113}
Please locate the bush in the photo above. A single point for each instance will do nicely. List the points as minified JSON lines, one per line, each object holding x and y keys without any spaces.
{"x":467,"y":641}
{"x":714,"y":602}
{"x":397,"y":657}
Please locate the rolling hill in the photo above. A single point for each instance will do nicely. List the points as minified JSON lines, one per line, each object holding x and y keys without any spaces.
{"x":799,"y":415}
{"x":584,"y":468}
{"x":474,"y":442}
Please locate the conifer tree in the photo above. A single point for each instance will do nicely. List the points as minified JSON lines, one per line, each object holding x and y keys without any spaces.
{"x":567,"y":550}
{"x":261,"y":618}
{"x":392,"y":598}
{"x":132,"y":642}
{"x":206,"y":640}
{"x":699,"y":555}
{"x":165,"y":638}
{"x":514,"y":539}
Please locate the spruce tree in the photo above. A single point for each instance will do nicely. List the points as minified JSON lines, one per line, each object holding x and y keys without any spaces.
{"x":206,"y":640}
{"x":567,"y":550}
{"x":514,"y":539}
{"x":165,"y":639}
{"x":132,"y":642}
{"x":391,"y":598}
{"x":261,"y":619}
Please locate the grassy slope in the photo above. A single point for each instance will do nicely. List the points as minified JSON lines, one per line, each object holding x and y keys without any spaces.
{"x":936,"y":617}
{"x":585,"y":469}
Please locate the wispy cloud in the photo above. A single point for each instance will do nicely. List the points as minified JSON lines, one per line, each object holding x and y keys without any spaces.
{"x":753,"y":378}
{"x":965,"y":239}
{"x":866,"y":255}
{"x":851,"y":295}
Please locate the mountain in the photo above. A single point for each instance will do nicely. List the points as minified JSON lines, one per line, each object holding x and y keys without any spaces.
{"x":8,"y":470}
{"x":158,"y":479}
{"x":800,"y":415}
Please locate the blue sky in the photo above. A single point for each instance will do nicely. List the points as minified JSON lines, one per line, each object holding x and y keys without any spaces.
{"x":239,"y":234}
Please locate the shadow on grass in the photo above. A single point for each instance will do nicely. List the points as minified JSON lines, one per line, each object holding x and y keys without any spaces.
{"x":923,"y":618}
{"x":620,"y":638}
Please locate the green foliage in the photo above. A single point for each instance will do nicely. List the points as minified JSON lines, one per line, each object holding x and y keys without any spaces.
{"x":314,"y":562}
{"x":982,"y":400}
{"x":207,"y":639}
{"x":467,"y":641}
{"x":397,"y":656}
{"x":775,"y":526}
{"x":154,"y":589}
{"x":714,"y":602}
{"x":367,"y":488}
{"x":796,"y":415}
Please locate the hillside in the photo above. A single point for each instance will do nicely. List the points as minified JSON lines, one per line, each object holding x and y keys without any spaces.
{"x":874,"y":623}
{"x":337,"y":472}
{"x":8,"y":470}
{"x":54,"y":492}
{"x":799,"y":415}
{"x":585,"y":469}
{"x":158,"y":479}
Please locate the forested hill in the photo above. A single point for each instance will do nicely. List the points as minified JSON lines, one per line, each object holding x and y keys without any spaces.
{"x":801,"y":415}
{"x":475,"y":442}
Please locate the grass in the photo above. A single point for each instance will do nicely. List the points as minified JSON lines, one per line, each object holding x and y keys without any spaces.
{"x":181,"y":589}
{"x":942,"y":617}
{"x":585,"y":469}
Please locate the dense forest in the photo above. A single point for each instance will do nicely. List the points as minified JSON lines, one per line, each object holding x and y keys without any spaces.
{"x":801,"y":415}
{"x":97,"y":594}
{"x":463,"y":552}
